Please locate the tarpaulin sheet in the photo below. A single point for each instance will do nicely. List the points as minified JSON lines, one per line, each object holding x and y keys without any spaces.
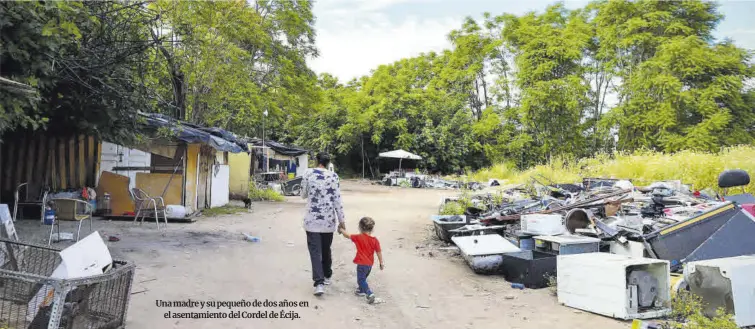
{"x":217,"y":138}
{"x":280,"y":148}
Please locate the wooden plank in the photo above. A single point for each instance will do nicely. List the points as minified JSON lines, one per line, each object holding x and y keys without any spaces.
{"x":40,"y":162}
{"x":70,"y":182}
{"x":49,"y":161}
{"x":97,"y":151}
{"x":6,"y":158}
{"x":89,"y":156}
{"x":27,"y":142}
{"x":154,"y":185}
{"x":77,"y":162}
{"x":117,"y":186}
{"x":18,"y":160}
{"x":59,"y":173}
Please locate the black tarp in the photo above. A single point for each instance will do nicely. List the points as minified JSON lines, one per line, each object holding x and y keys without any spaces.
{"x":280,"y":148}
{"x":219,"y":139}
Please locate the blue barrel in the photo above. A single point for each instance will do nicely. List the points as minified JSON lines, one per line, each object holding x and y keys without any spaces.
{"x":49,"y":217}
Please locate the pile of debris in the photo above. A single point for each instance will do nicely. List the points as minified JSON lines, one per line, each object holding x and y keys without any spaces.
{"x":416,"y":180}
{"x":606,"y":241}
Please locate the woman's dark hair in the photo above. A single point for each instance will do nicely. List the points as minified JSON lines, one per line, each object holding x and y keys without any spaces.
{"x":323,"y":159}
{"x":366,"y":224}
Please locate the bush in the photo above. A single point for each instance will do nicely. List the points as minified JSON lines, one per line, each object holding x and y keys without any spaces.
{"x":699,"y":169}
{"x":457,"y":207}
{"x":687,"y":313}
{"x":264,"y":194}
{"x":452,"y":208}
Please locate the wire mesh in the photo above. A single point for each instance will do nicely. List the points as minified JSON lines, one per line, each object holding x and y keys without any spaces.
{"x":28,"y":296}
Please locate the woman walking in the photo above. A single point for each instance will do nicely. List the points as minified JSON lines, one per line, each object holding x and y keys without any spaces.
{"x":324,"y":215}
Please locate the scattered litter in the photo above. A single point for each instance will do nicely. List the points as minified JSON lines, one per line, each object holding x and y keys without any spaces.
{"x":140,"y":291}
{"x":63,"y":236}
{"x":113,"y":239}
{"x":517,"y":286}
{"x":420,"y":306}
{"x":251,"y":238}
{"x":510,"y":297}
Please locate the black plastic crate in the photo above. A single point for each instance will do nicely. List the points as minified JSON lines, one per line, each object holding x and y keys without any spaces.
{"x":531,"y":268}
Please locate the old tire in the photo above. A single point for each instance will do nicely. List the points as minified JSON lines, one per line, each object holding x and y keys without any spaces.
{"x":296,"y":190}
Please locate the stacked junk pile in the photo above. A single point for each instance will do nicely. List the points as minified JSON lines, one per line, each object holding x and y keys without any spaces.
{"x":616,"y":249}
{"x":416,"y":180}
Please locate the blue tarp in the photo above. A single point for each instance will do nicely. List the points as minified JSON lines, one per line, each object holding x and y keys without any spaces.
{"x":217,"y":138}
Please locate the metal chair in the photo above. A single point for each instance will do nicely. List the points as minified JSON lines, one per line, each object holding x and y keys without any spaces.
{"x":68,"y":210}
{"x":144,"y":204}
{"x":27,"y":200}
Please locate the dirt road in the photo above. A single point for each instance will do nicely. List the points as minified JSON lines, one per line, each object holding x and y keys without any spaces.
{"x":208,"y":260}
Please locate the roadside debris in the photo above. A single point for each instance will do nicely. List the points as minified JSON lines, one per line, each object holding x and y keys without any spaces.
{"x":250,"y":238}
{"x":616,"y":248}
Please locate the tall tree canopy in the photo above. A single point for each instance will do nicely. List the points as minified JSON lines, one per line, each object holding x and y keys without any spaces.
{"x":512,"y":88}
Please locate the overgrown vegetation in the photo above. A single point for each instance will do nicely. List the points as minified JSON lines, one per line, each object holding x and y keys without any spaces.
{"x":264,"y":194}
{"x":701,"y":169}
{"x":224,"y":210}
{"x":521,"y":89}
{"x":457,"y":207}
{"x":687,"y":313}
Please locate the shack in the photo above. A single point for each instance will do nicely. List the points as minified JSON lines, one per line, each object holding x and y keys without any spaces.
{"x":188,"y":166}
{"x":184,"y":163}
{"x":268,"y":157}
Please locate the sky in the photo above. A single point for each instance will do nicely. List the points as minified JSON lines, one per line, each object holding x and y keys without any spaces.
{"x":356,"y":36}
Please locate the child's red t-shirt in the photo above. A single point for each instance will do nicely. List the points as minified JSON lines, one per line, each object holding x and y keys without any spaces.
{"x":367,"y":246}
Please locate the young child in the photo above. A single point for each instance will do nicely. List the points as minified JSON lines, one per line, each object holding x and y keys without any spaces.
{"x":367,"y":246}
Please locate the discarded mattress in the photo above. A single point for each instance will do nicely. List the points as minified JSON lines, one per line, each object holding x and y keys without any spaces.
{"x":484,"y":253}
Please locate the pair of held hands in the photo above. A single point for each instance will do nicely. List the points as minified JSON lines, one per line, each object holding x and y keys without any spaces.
{"x":342,"y":230}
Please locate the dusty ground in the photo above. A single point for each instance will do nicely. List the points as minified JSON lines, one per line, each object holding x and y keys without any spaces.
{"x":208,"y":260}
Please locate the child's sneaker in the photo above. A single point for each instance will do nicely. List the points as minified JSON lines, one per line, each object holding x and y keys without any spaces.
{"x":359,"y":293}
{"x":371,"y":299}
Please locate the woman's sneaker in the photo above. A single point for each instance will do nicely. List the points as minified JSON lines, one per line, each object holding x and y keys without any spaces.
{"x":319,"y":290}
{"x":359,"y":293}
{"x":327,"y":281}
{"x":371,"y":298}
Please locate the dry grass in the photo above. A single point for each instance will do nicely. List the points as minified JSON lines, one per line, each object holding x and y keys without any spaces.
{"x":699,"y":169}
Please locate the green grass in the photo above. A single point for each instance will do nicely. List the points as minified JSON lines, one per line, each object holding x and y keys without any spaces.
{"x":224,"y":210}
{"x":699,"y":169}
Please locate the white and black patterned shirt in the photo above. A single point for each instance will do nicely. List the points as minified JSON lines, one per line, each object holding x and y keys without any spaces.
{"x":324,"y":210}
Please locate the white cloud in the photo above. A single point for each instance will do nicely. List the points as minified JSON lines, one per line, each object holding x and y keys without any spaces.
{"x":356,"y":36}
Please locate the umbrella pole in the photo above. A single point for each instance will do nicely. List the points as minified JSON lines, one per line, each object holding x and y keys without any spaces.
{"x":399,"y":165}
